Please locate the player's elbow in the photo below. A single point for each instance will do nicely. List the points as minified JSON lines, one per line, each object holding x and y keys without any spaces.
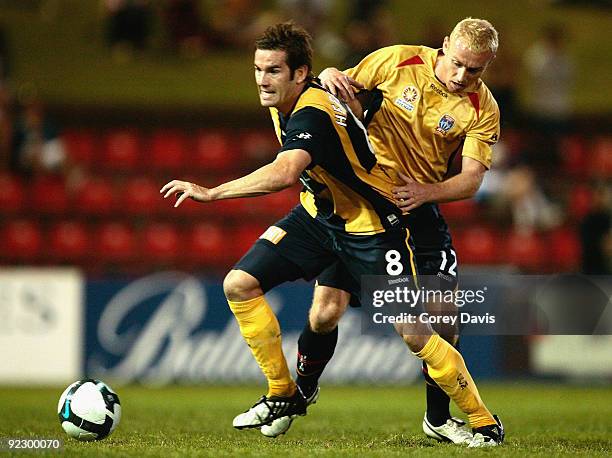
{"x":473,"y":182}
{"x":287,"y":180}
{"x":286,"y":174}
{"x":471,"y":191}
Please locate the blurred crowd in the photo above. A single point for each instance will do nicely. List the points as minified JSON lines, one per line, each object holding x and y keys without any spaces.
{"x":192,"y":29}
{"x":546,"y":174}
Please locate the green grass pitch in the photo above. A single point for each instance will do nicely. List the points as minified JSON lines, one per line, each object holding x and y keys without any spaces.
{"x":540,"y":420}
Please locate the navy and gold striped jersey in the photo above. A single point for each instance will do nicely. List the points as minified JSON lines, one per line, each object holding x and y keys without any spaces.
{"x":344,"y":187}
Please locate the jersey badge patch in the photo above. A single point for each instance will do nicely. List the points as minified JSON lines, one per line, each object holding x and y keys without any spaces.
{"x":445,"y":124}
{"x":409,"y":96}
{"x":273,"y":234}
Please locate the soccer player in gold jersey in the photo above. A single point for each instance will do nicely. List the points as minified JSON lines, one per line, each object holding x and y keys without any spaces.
{"x":346,"y":217}
{"x":425,"y":106}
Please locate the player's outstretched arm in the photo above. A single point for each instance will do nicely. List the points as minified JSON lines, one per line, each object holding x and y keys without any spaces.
{"x":184,"y":190}
{"x":282,"y":173}
{"x":464,"y":185}
{"x":339,"y":84}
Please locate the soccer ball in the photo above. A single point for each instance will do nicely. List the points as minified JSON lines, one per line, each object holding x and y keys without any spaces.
{"x":89,"y":410}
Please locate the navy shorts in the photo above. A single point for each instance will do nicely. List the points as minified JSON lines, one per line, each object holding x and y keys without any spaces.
{"x":435,"y":258}
{"x":302,"y":247}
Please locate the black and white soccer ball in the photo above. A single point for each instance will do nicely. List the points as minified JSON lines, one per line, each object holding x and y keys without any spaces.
{"x":89,"y":410}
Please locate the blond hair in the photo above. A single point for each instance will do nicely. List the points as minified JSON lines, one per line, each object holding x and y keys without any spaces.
{"x":479,"y":35}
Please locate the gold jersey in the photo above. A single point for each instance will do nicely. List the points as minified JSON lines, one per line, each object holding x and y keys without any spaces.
{"x":344,"y":187}
{"x":419,"y":126}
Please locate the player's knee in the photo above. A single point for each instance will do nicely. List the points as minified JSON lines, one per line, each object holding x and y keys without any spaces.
{"x":416,"y":343}
{"x":240,"y":286}
{"x":323,"y":322}
{"x":324,"y":318}
{"x":451,"y":337}
{"x":414,"y":338}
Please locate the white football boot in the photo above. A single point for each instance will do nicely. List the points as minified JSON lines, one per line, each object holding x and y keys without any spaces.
{"x":453,"y":430}
{"x":281,"y":425}
{"x":266,"y":410}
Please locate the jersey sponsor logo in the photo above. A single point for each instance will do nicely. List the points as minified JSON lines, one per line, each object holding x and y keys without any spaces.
{"x":445,"y":124}
{"x":340,"y":112}
{"x":273,"y":234}
{"x":393,"y":220}
{"x":304,"y":136}
{"x":409,"y":96}
{"x":438,"y":91}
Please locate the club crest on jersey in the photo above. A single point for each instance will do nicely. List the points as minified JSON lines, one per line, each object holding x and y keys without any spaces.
{"x":445,"y":124}
{"x":409,"y":96}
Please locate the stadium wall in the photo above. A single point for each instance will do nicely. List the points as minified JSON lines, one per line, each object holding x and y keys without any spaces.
{"x":41,"y":339}
{"x":172,"y":327}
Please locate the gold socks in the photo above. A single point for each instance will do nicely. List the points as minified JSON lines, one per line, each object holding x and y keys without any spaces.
{"x":447,"y":367}
{"x":260,"y":329}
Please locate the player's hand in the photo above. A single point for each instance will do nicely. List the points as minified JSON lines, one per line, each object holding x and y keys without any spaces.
{"x":184,"y":190}
{"x":411,"y":194}
{"x":339,"y":84}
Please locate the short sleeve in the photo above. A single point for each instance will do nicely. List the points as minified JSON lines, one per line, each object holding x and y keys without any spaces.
{"x":482,"y":137}
{"x":309,"y":129}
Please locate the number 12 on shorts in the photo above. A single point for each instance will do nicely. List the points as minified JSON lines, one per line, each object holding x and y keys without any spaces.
{"x":451,"y":270}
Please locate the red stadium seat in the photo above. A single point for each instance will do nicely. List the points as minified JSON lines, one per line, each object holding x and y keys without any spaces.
{"x":580,"y":202}
{"x":526,"y":251}
{"x":244,"y":238}
{"x":12,"y":194}
{"x":21,"y":240}
{"x":207,"y":245}
{"x":463,"y":210}
{"x":141,"y":196}
{"x":274,"y":205}
{"x":121,"y":150}
{"x":95,"y":197}
{"x":236,"y":208}
{"x":574,"y":155}
{"x":477,"y":245}
{"x":160,"y":243}
{"x":49,"y":196}
{"x":81,"y":145}
{"x":115,"y":243}
{"x":565,"y":250}
{"x":259,"y":146}
{"x":215,"y":152}
{"x":168,"y":150}
{"x":189,"y":208}
{"x":601,"y":160}
{"x":68,"y":241}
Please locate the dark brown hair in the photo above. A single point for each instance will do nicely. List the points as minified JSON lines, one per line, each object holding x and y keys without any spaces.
{"x":291,"y":38}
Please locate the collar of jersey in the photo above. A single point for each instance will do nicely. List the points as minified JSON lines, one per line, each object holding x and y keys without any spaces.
{"x":315,"y":84}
